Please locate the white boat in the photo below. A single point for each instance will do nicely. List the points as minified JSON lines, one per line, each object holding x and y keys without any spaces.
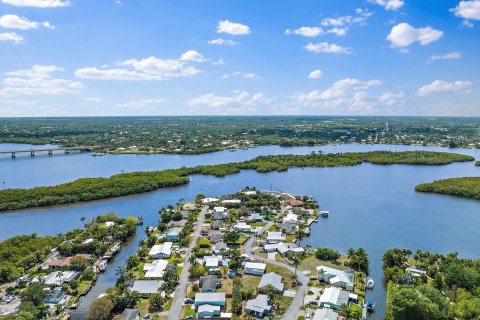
{"x":102,"y":266}
{"x":370,"y":283}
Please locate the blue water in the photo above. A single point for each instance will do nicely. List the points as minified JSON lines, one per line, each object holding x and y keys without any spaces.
{"x":371,"y":206}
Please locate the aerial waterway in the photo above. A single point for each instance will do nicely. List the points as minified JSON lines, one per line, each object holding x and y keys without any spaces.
{"x":371,"y":206}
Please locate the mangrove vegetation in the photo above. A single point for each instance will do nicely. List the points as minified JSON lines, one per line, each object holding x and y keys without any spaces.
{"x":88,"y":189}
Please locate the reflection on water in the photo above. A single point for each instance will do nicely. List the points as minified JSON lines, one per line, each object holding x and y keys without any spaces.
{"x":371,"y":206}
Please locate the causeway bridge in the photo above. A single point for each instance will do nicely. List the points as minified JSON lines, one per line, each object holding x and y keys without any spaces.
{"x":50,"y":151}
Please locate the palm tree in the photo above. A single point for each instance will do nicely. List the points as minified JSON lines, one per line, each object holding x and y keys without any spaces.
{"x":121,"y":271}
{"x":350,"y":253}
{"x":296,"y":262}
{"x":192,"y":260}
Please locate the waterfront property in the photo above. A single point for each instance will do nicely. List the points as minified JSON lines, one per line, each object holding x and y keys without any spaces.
{"x":161,"y":251}
{"x":155,"y":269}
{"x":58,"y":278}
{"x":53,"y":295}
{"x":146,"y":287}
{"x":336,"y":278}
{"x":325,"y":314}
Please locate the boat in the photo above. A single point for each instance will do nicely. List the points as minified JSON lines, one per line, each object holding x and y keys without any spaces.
{"x":370,"y":306}
{"x":370,"y":283}
{"x":324,"y":213}
{"x":102,"y":266}
{"x":98,"y":154}
{"x":139,"y":220}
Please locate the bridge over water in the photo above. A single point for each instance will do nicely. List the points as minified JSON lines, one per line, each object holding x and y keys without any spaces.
{"x":48,"y":150}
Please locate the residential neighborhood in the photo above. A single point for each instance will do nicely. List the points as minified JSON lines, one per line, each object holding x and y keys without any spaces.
{"x":237,"y":256}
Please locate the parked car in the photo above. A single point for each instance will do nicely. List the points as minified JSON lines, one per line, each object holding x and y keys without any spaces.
{"x":307,"y":316}
{"x":188,"y":301}
{"x":313,"y":302}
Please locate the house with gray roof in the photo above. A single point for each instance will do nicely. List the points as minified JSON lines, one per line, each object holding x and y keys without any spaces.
{"x":147,"y":287}
{"x":210,"y":283}
{"x":173,"y":234}
{"x":219,"y":247}
{"x":130,"y":314}
{"x":325,"y":314}
{"x":271,"y":279}
{"x":258,"y":307}
{"x":334,"y":298}
{"x":336,"y":277}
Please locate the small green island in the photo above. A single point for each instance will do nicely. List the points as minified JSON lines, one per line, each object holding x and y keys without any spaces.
{"x":88,"y":189}
{"x":466,"y":187}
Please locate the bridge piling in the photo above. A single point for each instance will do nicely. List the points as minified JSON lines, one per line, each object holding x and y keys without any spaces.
{"x":32,"y":153}
{"x":13,"y":155}
{"x":50,"y":152}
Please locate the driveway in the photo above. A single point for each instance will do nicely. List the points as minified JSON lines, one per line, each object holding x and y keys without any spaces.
{"x":294,"y":309}
{"x":177,"y":304}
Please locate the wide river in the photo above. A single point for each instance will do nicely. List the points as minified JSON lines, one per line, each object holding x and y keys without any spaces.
{"x":371,"y":206}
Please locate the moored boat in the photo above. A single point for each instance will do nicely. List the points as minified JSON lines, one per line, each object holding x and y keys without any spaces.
{"x":370,"y":284}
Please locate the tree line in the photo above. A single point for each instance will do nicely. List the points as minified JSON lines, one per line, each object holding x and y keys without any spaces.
{"x":88,"y":189}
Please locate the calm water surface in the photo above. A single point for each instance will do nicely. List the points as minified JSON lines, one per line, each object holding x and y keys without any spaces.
{"x":371,"y":206}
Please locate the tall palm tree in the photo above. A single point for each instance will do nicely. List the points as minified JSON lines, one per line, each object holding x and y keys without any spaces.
{"x":296,"y":262}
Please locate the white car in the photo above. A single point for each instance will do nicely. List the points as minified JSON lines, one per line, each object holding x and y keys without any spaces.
{"x":307,"y":316}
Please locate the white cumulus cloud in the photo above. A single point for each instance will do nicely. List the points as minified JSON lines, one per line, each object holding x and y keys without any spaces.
{"x":389,"y":4}
{"x":325,"y":47}
{"x":469,"y":10}
{"x":306,"y":31}
{"x":11,"y":36}
{"x":192,"y":55}
{"x":246,"y":75}
{"x":233,"y":28}
{"x":151,"y":68}
{"x":439,"y":86}
{"x":315,"y":74}
{"x":37,"y":80}
{"x":403,"y":35}
{"x":13,"y":21}
{"x":239,"y":99}
{"x":38,"y":3}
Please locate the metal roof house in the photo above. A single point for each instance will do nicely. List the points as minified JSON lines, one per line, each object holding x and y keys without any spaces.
{"x":258,"y":307}
{"x":161,"y":251}
{"x":209,"y":304}
{"x":147,"y":287}
{"x":253,"y":268}
{"x":275,"y":237}
{"x":336,"y":278}
{"x":271,"y":279}
{"x":155,"y":269}
{"x":334,"y":298}
{"x":59,"y":277}
{"x":325,"y":314}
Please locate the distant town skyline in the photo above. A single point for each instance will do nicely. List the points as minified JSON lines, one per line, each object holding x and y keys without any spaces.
{"x":151,"y":57}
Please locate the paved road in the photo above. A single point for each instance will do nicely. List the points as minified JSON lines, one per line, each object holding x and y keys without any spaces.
{"x":293,"y":310}
{"x":177,"y":305}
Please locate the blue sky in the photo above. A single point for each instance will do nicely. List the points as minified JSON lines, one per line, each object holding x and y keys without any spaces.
{"x":212,"y":57}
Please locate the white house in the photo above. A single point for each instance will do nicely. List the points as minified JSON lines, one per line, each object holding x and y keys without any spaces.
{"x":334,"y":298}
{"x":57,"y":278}
{"x":275,"y":237}
{"x":290,"y":218}
{"x":161,"y":251}
{"x":155,"y":269}
{"x":242,"y":226}
{"x":211,"y":262}
{"x":147,"y":287}
{"x":254,"y":268}
{"x":209,"y":200}
{"x":336,"y":278}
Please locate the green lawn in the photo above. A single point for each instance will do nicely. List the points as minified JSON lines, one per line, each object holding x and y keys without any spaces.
{"x":144,"y":306}
{"x":258,"y":224}
{"x":311,"y":263}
